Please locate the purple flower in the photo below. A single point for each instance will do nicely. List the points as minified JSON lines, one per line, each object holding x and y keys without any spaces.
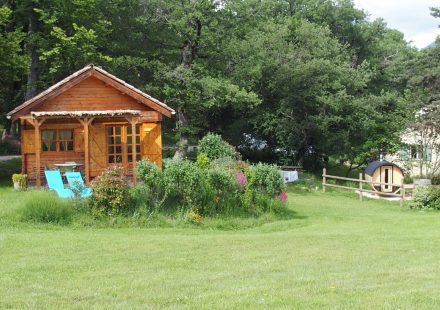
{"x":241,"y":179}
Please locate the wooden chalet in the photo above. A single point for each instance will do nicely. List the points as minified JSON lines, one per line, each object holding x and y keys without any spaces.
{"x":91,"y":118}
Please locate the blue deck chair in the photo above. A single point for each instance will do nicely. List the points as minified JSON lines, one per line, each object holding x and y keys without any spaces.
{"x":75,"y":180}
{"x":55,"y":182}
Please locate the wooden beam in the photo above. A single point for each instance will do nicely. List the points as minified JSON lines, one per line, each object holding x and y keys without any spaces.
{"x":86,"y":123}
{"x":133,"y":147}
{"x":37,"y":125}
{"x":23,"y":159}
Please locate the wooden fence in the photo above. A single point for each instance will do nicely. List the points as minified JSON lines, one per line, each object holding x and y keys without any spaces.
{"x":400,"y":192}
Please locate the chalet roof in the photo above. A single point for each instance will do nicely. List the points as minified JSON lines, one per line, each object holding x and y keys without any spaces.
{"x":82,"y":74}
{"x":376,"y":164}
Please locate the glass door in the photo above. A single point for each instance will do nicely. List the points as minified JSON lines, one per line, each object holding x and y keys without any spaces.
{"x":114,"y":145}
{"x":119,"y":145}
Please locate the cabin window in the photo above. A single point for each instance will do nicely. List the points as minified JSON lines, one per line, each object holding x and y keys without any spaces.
{"x":416,"y":152}
{"x":57,"y":140}
{"x":119,"y":144}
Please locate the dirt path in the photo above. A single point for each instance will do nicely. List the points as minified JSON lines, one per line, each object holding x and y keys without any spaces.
{"x":8,"y":157}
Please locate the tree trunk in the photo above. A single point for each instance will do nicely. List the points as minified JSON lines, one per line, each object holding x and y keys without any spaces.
{"x":188,"y":53}
{"x":32,"y":78}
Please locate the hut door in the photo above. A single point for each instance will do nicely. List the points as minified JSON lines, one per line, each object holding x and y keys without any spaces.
{"x":387,"y":177}
{"x":119,"y":146}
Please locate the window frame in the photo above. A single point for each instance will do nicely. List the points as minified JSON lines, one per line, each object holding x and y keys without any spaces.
{"x":58,"y":141}
{"x":126,"y":147}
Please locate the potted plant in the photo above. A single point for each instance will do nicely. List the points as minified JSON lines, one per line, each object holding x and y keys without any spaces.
{"x":20,"y":181}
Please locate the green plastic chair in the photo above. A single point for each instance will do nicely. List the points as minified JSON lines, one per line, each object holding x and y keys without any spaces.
{"x":75,"y":180}
{"x":55,"y":183}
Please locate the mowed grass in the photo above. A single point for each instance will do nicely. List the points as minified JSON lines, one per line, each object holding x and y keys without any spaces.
{"x":334,"y":252}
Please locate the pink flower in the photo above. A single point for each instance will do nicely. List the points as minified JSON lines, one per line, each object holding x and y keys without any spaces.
{"x":283,"y":196}
{"x":241,"y":179}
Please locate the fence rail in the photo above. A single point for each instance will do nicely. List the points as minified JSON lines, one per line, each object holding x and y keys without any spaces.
{"x":400,"y":192}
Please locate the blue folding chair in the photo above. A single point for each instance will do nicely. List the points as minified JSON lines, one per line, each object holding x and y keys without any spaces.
{"x":76,"y":182}
{"x":55,"y":182}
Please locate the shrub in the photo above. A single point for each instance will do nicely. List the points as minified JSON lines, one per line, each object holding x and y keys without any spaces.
{"x":183,"y":181}
{"x":435,"y":179}
{"x":202,"y":160}
{"x":9,"y":167}
{"x":46,"y":207}
{"x":407,"y":179}
{"x":193,"y":216}
{"x":215,"y":147}
{"x":426,"y":197}
{"x":223,"y":187}
{"x":266,"y":179}
{"x":231,"y":165}
{"x":9,"y":147}
{"x":152,"y":192}
{"x":110,"y":192}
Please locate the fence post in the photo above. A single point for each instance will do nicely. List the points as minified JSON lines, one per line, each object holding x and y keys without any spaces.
{"x":360,"y":186}
{"x":324,"y":172}
{"x":402,"y":193}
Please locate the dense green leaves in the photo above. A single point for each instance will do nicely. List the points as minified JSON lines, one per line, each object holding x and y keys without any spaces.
{"x":307,"y":79}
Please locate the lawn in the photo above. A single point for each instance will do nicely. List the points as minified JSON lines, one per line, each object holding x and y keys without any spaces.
{"x":333,"y":252}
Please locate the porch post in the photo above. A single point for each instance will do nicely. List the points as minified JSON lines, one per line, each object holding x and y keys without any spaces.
{"x":133,"y":147}
{"x":37,"y":125}
{"x":23,"y":159}
{"x":86,"y":122}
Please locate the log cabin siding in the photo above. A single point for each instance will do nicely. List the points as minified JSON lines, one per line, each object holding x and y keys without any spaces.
{"x":90,"y":95}
{"x":151,"y":148}
{"x":151,"y":140}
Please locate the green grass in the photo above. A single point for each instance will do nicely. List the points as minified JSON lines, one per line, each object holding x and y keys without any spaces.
{"x":333,"y":252}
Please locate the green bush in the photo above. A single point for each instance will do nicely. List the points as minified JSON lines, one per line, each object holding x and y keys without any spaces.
{"x":223,"y":189}
{"x":183,"y":182}
{"x":407,"y":179}
{"x":202,"y":160}
{"x":46,"y":207}
{"x":265,"y":178}
{"x":215,"y":147}
{"x":10,"y":147}
{"x":231,"y":165}
{"x":435,"y":179}
{"x":426,"y":197}
{"x":152,"y":193}
{"x":9,"y":167}
{"x":111,"y":192}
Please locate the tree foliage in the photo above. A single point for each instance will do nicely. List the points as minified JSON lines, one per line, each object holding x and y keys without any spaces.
{"x":310,"y":78}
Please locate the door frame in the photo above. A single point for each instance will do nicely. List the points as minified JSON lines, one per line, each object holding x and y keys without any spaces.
{"x":125,"y":147}
{"x":386,"y":172}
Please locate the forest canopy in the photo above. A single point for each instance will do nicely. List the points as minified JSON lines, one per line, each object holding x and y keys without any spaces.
{"x":308,"y":79}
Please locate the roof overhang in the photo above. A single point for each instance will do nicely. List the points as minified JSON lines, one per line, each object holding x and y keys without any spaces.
{"x":75,"y":114}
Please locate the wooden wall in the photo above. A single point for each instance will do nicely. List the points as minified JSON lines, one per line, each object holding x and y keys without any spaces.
{"x":98,"y":149}
{"x":90,"y":95}
{"x":151,"y":137}
{"x":151,"y":147}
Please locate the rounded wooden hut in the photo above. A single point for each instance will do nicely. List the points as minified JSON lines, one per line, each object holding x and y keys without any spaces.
{"x":382,"y":171}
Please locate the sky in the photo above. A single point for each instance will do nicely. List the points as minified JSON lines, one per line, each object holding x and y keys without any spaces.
{"x":412,"y":17}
